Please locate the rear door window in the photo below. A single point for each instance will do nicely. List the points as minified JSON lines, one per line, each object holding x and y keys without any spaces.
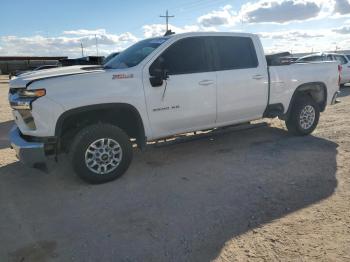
{"x":233,"y":52}
{"x":313,"y":58}
{"x":341,"y":59}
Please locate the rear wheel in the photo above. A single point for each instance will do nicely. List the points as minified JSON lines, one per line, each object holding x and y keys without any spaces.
{"x":304,"y":116}
{"x":101,"y":153}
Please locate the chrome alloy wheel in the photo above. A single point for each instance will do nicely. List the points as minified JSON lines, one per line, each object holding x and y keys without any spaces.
{"x":307,"y":117}
{"x":103,"y":156}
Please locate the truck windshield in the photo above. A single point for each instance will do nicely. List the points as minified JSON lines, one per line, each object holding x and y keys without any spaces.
{"x":133,"y":55}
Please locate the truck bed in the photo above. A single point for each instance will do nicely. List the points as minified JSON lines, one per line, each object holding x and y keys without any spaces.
{"x":284,"y":79}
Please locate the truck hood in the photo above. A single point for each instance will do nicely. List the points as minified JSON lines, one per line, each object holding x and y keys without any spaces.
{"x":24,"y":79}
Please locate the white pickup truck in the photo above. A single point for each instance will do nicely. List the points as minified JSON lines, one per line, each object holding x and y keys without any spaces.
{"x":158,"y":88}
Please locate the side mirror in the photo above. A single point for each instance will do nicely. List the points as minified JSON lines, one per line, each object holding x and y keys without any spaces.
{"x":158,"y":77}
{"x":158,"y":73}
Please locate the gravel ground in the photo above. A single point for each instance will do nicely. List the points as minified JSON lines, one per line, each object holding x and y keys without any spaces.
{"x":248,"y":195}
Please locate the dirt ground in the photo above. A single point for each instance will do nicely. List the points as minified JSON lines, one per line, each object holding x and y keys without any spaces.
{"x":250,"y":195}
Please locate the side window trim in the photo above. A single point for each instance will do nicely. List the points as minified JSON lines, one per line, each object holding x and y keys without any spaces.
{"x":211,"y":57}
{"x":215,"y":57}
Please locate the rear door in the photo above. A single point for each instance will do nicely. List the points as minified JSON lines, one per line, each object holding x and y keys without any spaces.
{"x":242,"y":79}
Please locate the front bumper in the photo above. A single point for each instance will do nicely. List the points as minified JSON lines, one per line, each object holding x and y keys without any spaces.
{"x":29,"y":153}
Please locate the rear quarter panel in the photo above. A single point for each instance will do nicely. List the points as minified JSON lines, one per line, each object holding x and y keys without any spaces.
{"x":284,"y":80}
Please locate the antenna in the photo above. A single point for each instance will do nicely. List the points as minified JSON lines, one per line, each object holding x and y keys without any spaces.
{"x":167,"y":16}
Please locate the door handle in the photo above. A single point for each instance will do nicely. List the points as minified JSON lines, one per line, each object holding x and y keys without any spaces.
{"x":206,"y":82}
{"x":257,"y":77}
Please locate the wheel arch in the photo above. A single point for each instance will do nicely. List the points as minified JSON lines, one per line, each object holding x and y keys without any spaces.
{"x":126,"y":116}
{"x":317,"y":90}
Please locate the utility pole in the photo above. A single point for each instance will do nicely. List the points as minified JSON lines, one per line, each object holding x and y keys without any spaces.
{"x":82,"y":49}
{"x":96,"y":45}
{"x":167,"y":16}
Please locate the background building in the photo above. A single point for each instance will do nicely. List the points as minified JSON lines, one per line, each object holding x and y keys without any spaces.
{"x":10,"y":64}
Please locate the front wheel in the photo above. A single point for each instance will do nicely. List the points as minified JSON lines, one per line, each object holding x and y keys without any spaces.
{"x":101,"y":153}
{"x":304,"y":116}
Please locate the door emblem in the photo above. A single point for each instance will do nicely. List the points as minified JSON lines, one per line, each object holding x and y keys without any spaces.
{"x":122,"y":76}
{"x":166,"y":108}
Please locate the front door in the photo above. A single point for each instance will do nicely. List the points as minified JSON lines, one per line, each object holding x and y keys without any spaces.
{"x":186,"y":101}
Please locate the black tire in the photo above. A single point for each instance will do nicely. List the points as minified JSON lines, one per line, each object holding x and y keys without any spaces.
{"x":293,"y":122}
{"x":89,"y":135}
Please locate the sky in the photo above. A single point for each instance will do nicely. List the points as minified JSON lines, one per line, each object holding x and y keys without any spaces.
{"x":59,"y":28}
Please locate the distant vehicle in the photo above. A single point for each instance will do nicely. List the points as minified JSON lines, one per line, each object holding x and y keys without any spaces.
{"x":314,"y":58}
{"x":343,"y":60}
{"x":43,"y":67}
{"x":110,"y":57}
{"x":283,"y":58}
{"x":17,"y":73}
{"x":158,"y":88}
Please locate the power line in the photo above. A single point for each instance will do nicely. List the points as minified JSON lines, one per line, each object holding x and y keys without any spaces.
{"x":196,"y":6}
{"x":167,"y":16}
{"x":183,"y":8}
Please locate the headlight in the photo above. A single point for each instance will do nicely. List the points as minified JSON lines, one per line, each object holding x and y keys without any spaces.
{"x":23,"y":99}
{"x":32,"y":93}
